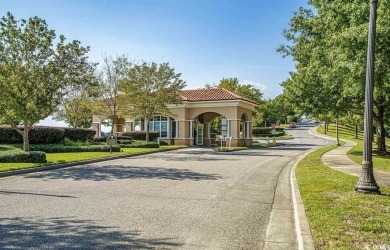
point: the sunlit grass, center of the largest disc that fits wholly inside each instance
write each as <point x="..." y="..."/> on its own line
<point x="56" y="158"/>
<point x="356" y="153"/>
<point x="339" y="217"/>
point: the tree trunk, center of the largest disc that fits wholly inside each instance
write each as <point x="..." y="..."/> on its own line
<point x="147" y="130"/>
<point x="380" y="132"/>
<point x="356" y="131"/>
<point x="337" y="133"/>
<point x="26" y="141"/>
<point x="112" y="125"/>
<point x="326" y="124"/>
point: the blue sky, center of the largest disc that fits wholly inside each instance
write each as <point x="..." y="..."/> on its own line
<point x="202" y="39"/>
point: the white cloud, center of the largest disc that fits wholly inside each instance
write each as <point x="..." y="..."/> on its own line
<point x="260" y="86"/>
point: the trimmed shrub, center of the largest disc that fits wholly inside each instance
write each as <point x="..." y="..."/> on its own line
<point x="79" y="134"/>
<point x="58" y="148"/>
<point x="21" y="156"/>
<point x="37" y="135"/>
<point x="140" y="145"/>
<point x="123" y="141"/>
<point x="141" y="135"/>
<point x="163" y="143"/>
<point x="104" y="139"/>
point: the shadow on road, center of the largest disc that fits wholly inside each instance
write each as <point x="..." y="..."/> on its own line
<point x="35" y="194"/>
<point x="71" y="233"/>
<point x="112" y="172"/>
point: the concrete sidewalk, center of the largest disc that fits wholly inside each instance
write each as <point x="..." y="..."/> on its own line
<point x="337" y="159"/>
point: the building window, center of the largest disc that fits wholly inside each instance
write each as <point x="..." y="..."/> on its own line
<point x="159" y="124"/>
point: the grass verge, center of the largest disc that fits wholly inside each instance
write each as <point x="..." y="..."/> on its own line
<point x="56" y="158"/>
<point x="339" y="217"/>
<point x="356" y="153"/>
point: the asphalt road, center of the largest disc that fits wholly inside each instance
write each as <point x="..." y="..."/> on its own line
<point x="186" y="199"/>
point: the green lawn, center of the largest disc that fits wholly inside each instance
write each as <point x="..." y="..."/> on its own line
<point x="339" y="217"/>
<point x="356" y="153"/>
<point x="55" y="158"/>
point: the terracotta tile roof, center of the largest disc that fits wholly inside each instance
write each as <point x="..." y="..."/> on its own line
<point x="212" y="94"/>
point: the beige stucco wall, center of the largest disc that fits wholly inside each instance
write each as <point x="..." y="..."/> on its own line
<point x="187" y="112"/>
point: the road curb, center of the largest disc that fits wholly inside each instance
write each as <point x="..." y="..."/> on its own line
<point x="315" y="133"/>
<point x="302" y="228"/>
<point x="72" y="164"/>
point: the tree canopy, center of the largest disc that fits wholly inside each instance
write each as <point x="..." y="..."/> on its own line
<point x="149" y="87"/>
<point x="328" y="42"/>
<point x="35" y="75"/>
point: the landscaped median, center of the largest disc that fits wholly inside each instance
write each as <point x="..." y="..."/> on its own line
<point x="356" y="153"/>
<point x="340" y="218"/>
<point x="60" y="158"/>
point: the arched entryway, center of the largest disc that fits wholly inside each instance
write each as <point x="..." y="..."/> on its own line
<point x="202" y="128"/>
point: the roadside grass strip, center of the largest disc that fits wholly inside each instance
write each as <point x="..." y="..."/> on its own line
<point x="57" y="158"/>
<point x="356" y="153"/>
<point x="339" y="217"/>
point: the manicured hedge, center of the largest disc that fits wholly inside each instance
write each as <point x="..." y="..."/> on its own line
<point x="17" y="157"/>
<point x="45" y="135"/>
<point x="79" y="134"/>
<point x="58" y="148"/>
<point x="127" y="141"/>
<point x="140" y="145"/>
<point x="37" y="135"/>
<point x="141" y="135"/>
<point x="265" y="131"/>
<point x="104" y="139"/>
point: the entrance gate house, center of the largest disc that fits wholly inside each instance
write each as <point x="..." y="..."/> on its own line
<point x="191" y="119"/>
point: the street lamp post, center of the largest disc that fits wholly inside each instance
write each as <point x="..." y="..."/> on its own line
<point x="367" y="183"/>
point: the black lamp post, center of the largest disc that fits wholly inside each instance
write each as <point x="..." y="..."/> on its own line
<point x="367" y="183"/>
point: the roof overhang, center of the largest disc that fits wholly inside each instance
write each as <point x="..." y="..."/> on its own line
<point x="214" y="104"/>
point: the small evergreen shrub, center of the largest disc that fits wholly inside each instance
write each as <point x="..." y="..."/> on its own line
<point x="163" y="143"/>
<point x="21" y="156"/>
<point x="79" y="134"/>
<point x="141" y="135"/>
<point x="123" y="141"/>
<point x="140" y="145"/>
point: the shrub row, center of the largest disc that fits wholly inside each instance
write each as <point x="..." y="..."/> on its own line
<point x="104" y="139"/>
<point x="17" y="157"/>
<point x="142" y="145"/>
<point x="45" y="135"/>
<point x="79" y="134"/>
<point x="58" y="148"/>
<point x="265" y="131"/>
<point x="141" y="135"/>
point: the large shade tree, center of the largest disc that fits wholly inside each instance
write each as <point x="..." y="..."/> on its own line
<point x="149" y="87"/>
<point x="337" y="30"/>
<point x="35" y="75"/>
<point x="111" y="100"/>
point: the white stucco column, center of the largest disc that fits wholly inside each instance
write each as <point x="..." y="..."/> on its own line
<point x="177" y="129"/>
<point x="169" y="132"/>
<point x="248" y="129"/>
<point x="191" y="130"/>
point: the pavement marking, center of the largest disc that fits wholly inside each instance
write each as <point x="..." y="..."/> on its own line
<point x="298" y="228"/>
